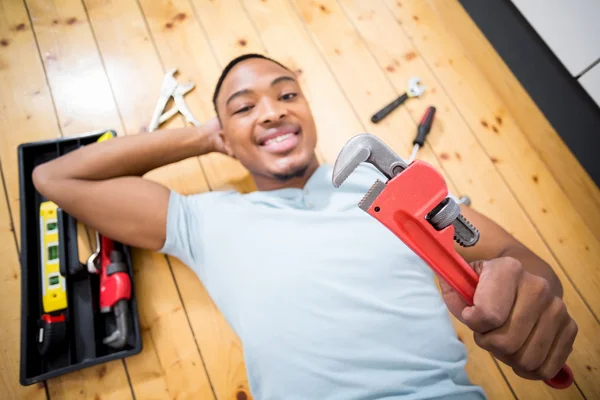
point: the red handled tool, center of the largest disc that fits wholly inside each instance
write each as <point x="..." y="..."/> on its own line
<point x="415" y="206"/>
<point x="422" y="131"/>
<point x="115" y="289"/>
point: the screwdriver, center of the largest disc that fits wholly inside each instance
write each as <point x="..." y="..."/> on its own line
<point x="422" y="131"/>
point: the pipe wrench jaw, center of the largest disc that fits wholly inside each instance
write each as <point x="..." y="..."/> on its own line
<point x="413" y="204"/>
<point x="118" y="337"/>
<point x="366" y="148"/>
<point x="369" y="148"/>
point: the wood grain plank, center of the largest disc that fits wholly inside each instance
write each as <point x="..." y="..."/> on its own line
<point x="28" y="115"/>
<point x="10" y="312"/>
<point x="172" y="25"/>
<point x="73" y="73"/>
<point x="170" y="365"/>
<point x="26" y="109"/>
<point x="186" y="177"/>
<point x="389" y="45"/>
<point x="557" y="221"/>
<point x="190" y="367"/>
<point x="577" y="185"/>
<point x="181" y="44"/>
<point x="291" y="51"/>
<point x="164" y="318"/>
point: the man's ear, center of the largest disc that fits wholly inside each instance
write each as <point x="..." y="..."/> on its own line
<point x="226" y="145"/>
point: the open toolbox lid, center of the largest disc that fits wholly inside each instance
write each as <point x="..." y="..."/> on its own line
<point x="48" y="242"/>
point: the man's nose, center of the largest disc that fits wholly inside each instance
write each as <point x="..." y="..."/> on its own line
<point x="272" y="111"/>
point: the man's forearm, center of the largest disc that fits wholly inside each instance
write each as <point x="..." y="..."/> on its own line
<point x="535" y="265"/>
<point x="128" y="156"/>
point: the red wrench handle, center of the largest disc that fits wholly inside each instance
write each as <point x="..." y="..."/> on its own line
<point x="403" y="210"/>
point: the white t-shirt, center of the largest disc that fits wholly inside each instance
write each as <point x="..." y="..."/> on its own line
<point x="328" y="303"/>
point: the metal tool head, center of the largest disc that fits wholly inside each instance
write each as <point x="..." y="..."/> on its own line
<point x="415" y="88"/>
<point x="167" y="88"/>
<point x="93" y="260"/>
<point x="366" y="148"/>
<point x="118" y="338"/>
<point x="183" y="88"/>
<point x="169" y="76"/>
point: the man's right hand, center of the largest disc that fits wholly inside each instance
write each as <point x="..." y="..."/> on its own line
<point x="212" y="128"/>
<point x="102" y="184"/>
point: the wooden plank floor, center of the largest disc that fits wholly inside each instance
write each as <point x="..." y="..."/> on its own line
<point x="71" y="66"/>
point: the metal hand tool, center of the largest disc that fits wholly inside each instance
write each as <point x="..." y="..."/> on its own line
<point x="115" y="291"/>
<point x="414" y="89"/>
<point x="92" y="261"/>
<point x="52" y="325"/>
<point x="422" y="132"/>
<point x="171" y="88"/>
<point x="413" y="204"/>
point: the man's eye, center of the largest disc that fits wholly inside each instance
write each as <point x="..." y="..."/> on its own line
<point x="288" y="96"/>
<point x="243" y="109"/>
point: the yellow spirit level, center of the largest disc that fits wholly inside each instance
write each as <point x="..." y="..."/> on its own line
<point x="54" y="290"/>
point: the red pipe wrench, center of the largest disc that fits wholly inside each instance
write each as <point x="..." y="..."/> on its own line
<point x="115" y="289"/>
<point x="415" y="206"/>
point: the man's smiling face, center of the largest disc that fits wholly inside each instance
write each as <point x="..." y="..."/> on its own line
<point x="267" y="122"/>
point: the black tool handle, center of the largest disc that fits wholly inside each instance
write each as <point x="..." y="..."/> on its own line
<point x="62" y="242"/>
<point x="424" y="126"/>
<point x="384" y="112"/>
<point x="68" y="252"/>
<point x="51" y="335"/>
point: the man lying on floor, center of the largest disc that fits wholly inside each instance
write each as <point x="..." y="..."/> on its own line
<point x="327" y="302"/>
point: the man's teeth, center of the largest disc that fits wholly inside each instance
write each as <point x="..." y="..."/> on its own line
<point x="279" y="138"/>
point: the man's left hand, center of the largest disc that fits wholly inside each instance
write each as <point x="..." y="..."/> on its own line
<point x="517" y="318"/>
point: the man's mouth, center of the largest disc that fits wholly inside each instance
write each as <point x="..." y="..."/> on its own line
<point x="281" y="140"/>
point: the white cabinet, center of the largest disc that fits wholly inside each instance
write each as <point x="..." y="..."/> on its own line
<point x="591" y="83"/>
<point x="570" y="28"/>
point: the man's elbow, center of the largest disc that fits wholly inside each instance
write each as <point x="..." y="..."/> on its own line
<point x="41" y="179"/>
<point x="47" y="182"/>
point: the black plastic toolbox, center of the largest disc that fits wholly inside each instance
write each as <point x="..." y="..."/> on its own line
<point x="86" y="325"/>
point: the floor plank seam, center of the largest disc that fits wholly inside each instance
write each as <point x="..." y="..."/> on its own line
<point x="101" y="57"/>
<point x="163" y="67"/>
<point x="10" y="217"/>
<point x="128" y="378"/>
<point x="39" y="52"/>
<point x="253" y="24"/>
<point x="187" y="317"/>
<point x="52" y="100"/>
<point x="505" y="377"/>
<point x="326" y="63"/>
<point x="512" y="390"/>
<point x="150" y="35"/>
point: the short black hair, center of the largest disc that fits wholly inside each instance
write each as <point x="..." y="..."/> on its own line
<point x="232" y="64"/>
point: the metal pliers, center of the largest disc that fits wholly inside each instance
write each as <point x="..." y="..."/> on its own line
<point x="171" y="88"/>
<point x="415" y="205"/>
